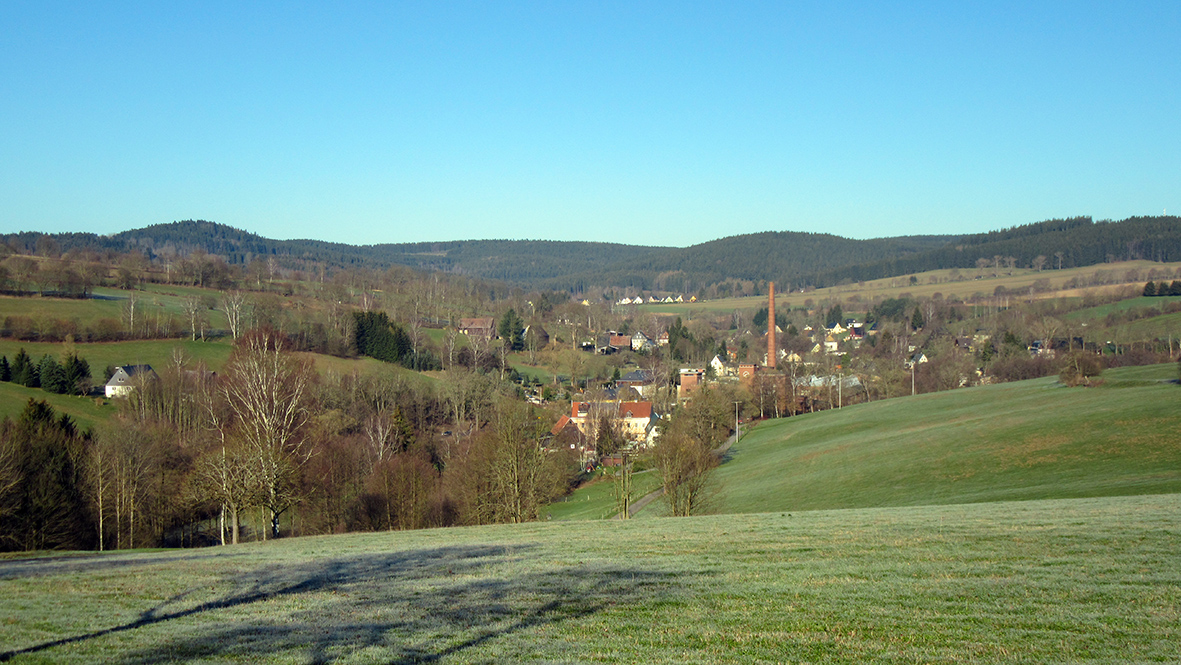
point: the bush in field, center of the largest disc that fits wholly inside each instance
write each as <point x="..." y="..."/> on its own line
<point x="1080" y="368"/>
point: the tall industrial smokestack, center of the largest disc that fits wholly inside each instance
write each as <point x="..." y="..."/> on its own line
<point x="771" y="354"/>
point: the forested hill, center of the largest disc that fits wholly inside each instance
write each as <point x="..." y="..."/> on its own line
<point x="786" y="257"/>
<point x="790" y="258"/>
<point x="1064" y="242"/>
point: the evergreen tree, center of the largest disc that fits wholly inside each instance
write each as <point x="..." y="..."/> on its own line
<point x="5" y="369"/>
<point x="512" y="329"/>
<point x="49" y="510"/>
<point x="834" y="316"/>
<point x="916" y="321"/>
<point x="374" y="335"/>
<point x="1174" y="289"/>
<point x="77" y="373"/>
<point x="760" y="319"/>
<point x="676" y="333"/>
<point x="20" y="367"/>
<point x="1150" y="289"/>
<point x="53" y="378"/>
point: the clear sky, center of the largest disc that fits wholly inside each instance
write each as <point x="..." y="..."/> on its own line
<point x="638" y="122"/>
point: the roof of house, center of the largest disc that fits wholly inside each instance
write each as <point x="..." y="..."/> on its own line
<point x="635" y="409"/>
<point x="478" y="322"/>
<point x="125" y="372"/>
<point x="562" y="422"/>
<point x="626" y="410"/>
<point x="636" y="376"/>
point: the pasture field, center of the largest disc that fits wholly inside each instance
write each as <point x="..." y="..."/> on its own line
<point x="86" y="311"/>
<point x="108" y="304"/>
<point x="84" y="411"/>
<point x="159" y="354"/>
<point x="1100" y="311"/>
<point x="1018" y="441"/>
<point x="1085" y="580"/>
<point x="155" y="352"/>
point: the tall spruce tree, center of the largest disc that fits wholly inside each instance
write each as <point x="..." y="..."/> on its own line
<point x="53" y="378"/>
<point x="512" y="330"/>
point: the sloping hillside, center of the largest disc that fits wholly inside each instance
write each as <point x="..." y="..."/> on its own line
<point x="1017" y="441"/>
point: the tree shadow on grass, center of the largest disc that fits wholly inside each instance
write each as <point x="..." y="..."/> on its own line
<point x="92" y="562"/>
<point x="418" y="606"/>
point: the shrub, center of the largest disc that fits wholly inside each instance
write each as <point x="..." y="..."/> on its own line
<point x="1080" y="368"/>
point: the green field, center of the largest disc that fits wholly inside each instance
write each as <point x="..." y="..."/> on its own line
<point x="156" y="352"/>
<point x="1090" y="580"/>
<point x="1027" y="440"/>
<point x="596" y="501"/>
<point x="85" y="411"/>
<point x="1100" y="311"/>
<point x="155" y="299"/>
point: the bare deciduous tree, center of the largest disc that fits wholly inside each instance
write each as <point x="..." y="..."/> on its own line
<point x="267" y="387"/>
<point x="224" y="474"/>
<point x="129" y="311"/>
<point x="234" y="305"/>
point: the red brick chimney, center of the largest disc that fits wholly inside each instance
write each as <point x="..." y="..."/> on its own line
<point x="771" y="354"/>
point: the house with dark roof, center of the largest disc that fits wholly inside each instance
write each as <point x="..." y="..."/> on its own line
<point x="127" y="378"/>
<point x="639" y="380"/>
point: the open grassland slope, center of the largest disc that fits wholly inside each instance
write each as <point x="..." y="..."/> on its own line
<point x="1027" y="440"/>
<point x="1090" y="580"/>
<point x="155" y="352"/>
<point x="154" y="300"/>
<point x="85" y="411"/>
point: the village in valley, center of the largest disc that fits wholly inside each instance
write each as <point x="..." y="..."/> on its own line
<point x="660" y="333"/>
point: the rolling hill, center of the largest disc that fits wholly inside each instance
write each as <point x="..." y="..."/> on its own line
<point x="1016" y="441"/>
<point x="790" y="258"/>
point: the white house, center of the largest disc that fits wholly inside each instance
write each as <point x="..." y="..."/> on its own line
<point x="126" y="378"/>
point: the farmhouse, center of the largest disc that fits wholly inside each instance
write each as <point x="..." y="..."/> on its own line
<point x="477" y="327"/>
<point x="126" y="378"/>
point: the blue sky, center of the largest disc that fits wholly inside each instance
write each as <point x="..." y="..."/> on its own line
<point x="648" y="123"/>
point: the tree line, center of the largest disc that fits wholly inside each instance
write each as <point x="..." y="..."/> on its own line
<point x="267" y="447"/>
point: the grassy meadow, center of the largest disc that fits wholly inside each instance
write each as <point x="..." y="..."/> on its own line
<point x="1017" y="441"/>
<point x="1090" y="580"/>
<point x="154" y="352"/>
<point x="155" y="299"/>
<point x="85" y="411"/>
